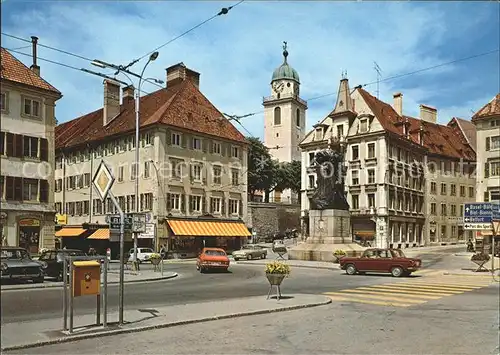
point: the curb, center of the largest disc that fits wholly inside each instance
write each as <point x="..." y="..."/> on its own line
<point x="41" y="286"/>
<point x="485" y="274"/>
<point x="73" y="338"/>
<point x="299" y="266"/>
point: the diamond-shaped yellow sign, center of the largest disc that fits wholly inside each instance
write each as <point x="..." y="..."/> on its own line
<point x="103" y="180"/>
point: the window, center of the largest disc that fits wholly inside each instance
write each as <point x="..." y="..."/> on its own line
<point x="297" y="117"/>
<point x="433" y="188"/>
<point x="453" y="231"/>
<point x="355" y="202"/>
<point x="443" y="189"/>
<point x="2" y="181"/>
<point x="319" y="133"/>
<point x="453" y="211"/>
<point x="120" y="173"/>
<point x="443" y="209"/>
<point x="311" y="158"/>
<point x="453" y="190"/>
<point x="371" y="150"/>
<point x="176" y="168"/>
<point x="146" y="202"/>
<point x="86" y="179"/>
<point x="371" y="176"/>
<point x="196" y="172"/>
<point x="97" y="207"/>
<point x="133" y="171"/>
<point x="340" y="131"/>
<point x="196" y="143"/>
<point x="471" y="191"/>
<point x="235" y="152"/>
<point x="355" y="177"/>
<point x="146" y="139"/>
<point x="176" y="139"/>
<point x="30" y="147"/>
<point x="371" y="200"/>
<point x="217" y="175"/>
<point x="495" y="196"/>
<point x="174" y="202"/>
<point x="277" y="116"/>
<point x="195" y="203"/>
<point x="216" y="148"/>
<point x="433" y="208"/>
<point x="146" y="169"/>
<point x="363" y="126"/>
<point x="493" y="143"/>
<point x="79" y="181"/>
<point x="494" y="168"/>
<point x="30" y="189"/>
<point x="311" y="184"/>
<point x="443" y="232"/>
<point x="235" y="177"/>
<point x="215" y="204"/>
<point x="355" y="152"/>
<point x="31" y="107"/>
<point x="4" y="106"/>
<point x="462" y="191"/>
<point x="58" y="185"/>
<point x="234" y="206"/>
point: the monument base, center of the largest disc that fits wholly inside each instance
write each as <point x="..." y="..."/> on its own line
<point x="322" y="252"/>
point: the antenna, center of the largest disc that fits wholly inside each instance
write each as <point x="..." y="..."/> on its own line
<point x="378" y="70"/>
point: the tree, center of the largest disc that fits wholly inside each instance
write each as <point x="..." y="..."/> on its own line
<point x="294" y="175"/>
<point x="260" y="167"/>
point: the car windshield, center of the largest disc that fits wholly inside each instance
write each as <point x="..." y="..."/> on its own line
<point x="398" y="253"/>
<point x="215" y="253"/>
<point x="146" y="250"/>
<point x="15" y="254"/>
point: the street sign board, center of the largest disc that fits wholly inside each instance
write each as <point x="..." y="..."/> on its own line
<point x="477" y="226"/>
<point x="139" y="223"/>
<point x="103" y="180"/>
<point x="495" y="211"/>
<point x="478" y="212"/>
<point x="114" y="222"/>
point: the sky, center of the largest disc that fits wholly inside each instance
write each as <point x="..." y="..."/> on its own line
<point x="237" y="53"/>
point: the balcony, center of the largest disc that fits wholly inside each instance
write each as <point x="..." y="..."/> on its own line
<point x="284" y="96"/>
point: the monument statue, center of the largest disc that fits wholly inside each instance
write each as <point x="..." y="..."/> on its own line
<point x="329" y="192"/>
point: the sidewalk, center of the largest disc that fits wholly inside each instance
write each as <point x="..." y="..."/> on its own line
<point x="113" y="278"/>
<point x="44" y="332"/>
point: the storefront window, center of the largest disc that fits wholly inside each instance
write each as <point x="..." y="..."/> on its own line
<point x="29" y="234"/>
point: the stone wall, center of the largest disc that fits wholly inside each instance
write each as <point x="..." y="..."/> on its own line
<point x="267" y="218"/>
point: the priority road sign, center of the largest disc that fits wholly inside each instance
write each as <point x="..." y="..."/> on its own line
<point x="478" y="212"/>
<point x="103" y="180"/>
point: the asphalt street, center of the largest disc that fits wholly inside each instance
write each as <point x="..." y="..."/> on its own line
<point x="191" y="287"/>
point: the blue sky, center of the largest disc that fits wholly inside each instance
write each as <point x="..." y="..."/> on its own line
<point x="237" y="53"/>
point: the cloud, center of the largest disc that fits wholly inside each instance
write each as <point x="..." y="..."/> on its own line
<point x="237" y="53"/>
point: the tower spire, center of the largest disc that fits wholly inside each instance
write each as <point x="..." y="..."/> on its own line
<point x="285" y="52"/>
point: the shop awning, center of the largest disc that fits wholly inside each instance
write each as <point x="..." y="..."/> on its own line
<point x="101" y="234"/>
<point x="70" y="232"/>
<point x="208" y="228"/>
<point x="365" y="234"/>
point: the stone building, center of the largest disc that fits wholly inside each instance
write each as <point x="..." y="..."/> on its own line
<point x="192" y="166"/>
<point x="28" y="105"/>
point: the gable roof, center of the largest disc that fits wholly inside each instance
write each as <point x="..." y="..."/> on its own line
<point x="14" y="70"/>
<point x="467" y="128"/>
<point x="181" y="105"/>
<point x="492" y="108"/>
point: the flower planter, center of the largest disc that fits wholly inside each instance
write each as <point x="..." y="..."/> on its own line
<point x="275" y="279"/>
<point x="155" y="261"/>
<point x="336" y="258"/>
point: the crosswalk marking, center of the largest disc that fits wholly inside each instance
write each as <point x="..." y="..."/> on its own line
<point x="408" y="292"/>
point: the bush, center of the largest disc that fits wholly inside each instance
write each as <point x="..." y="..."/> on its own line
<point x="481" y="256"/>
<point x="155" y="256"/>
<point x="277" y="267"/>
<point x="339" y="252"/>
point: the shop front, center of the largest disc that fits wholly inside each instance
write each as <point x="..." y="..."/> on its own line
<point x="186" y="237"/>
<point x="29" y="234"/>
<point x="363" y="230"/>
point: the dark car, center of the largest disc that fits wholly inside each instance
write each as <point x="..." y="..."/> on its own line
<point x="54" y="260"/>
<point x="377" y="260"/>
<point x="16" y="264"/>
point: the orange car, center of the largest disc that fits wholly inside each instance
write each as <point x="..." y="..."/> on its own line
<point x="212" y="258"/>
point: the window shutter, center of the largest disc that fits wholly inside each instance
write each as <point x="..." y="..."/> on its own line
<point x="240" y="209"/>
<point x="486" y="170"/>
<point x="184" y="140"/>
<point x="44" y="191"/>
<point x="18" y="189"/>
<point x="18" y="146"/>
<point x="223" y="206"/>
<point x="204" y="144"/>
<point x="10" y="145"/>
<point x="169" y="137"/>
<point x="183" y="203"/>
<point x="9" y="188"/>
<point x="210" y="147"/>
<point x="487" y="143"/>
<point x="204" y="204"/>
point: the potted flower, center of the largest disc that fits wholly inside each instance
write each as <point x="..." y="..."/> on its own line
<point x="276" y="271"/>
<point x="155" y="259"/>
<point x="338" y="254"/>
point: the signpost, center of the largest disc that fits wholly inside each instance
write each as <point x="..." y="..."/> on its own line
<point x="478" y="216"/>
<point x="103" y="181"/>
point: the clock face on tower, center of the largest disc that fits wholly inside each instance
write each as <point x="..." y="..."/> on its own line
<point x="278" y="87"/>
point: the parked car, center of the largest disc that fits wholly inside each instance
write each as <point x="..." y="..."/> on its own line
<point x="54" y="261"/>
<point x="143" y="254"/>
<point x="16" y="264"/>
<point x="250" y="252"/>
<point x="212" y="258"/>
<point x="377" y="260"/>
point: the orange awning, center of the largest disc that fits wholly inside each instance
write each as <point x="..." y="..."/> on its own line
<point x="208" y="228"/>
<point x="365" y="234"/>
<point x="70" y="232"/>
<point x="101" y="234"/>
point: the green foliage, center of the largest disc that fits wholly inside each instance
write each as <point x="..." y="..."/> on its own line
<point x="277" y="267"/>
<point x="155" y="256"/>
<point x="339" y="252"/>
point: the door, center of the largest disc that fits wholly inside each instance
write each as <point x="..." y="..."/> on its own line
<point x="52" y="269"/>
<point x="366" y="262"/>
<point x="382" y="261"/>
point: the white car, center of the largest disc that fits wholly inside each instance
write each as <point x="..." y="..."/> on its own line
<point x="143" y="254"/>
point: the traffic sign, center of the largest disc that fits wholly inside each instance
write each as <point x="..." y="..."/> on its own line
<point x="114" y="222"/>
<point x="495" y="211"/>
<point x="103" y="180"/>
<point x="139" y="223"/>
<point x="478" y="212"/>
<point x="477" y="226"/>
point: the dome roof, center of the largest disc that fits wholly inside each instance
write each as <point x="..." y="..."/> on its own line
<point x="285" y="71"/>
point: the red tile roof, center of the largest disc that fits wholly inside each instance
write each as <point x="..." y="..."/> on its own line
<point x="14" y="70"/>
<point x="181" y="105"/>
<point x="438" y="139"/>
<point x="490" y="109"/>
<point x="467" y="128"/>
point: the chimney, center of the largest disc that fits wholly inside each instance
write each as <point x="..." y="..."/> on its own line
<point x="34" y="67"/>
<point x="111" y="107"/>
<point x="428" y="114"/>
<point x="128" y="94"/>
<point x="177" y="73"/>
<point x="398" y="103"/>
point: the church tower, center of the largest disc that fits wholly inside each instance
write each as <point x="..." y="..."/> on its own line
<point x="284" y="114"/>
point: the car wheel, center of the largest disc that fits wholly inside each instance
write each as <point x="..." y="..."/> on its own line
<point x="198" y="267"/>
<point x="350" y="269"/>
<point x="249" y="257"/>
<point x="263" y="256"/>
<point x="397" y="271"/>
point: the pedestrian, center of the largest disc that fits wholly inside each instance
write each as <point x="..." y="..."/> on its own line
<point x="163" y="251"/>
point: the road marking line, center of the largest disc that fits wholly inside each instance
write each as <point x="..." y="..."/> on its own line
<point x="440" y="286"/>
<point x="378" y="303"/>
<point x="455" y="281"/>
<point x="451" y="284"/>
<point x="406" y="292"/>
<point x="388" y="293"/>
<point x="430" y="288"/>
<point x="382" y="298"/>
<point x="427" y="271"/>
<point x="433" y="292"/>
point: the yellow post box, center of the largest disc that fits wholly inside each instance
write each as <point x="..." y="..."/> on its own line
<point x="86" y="278"/>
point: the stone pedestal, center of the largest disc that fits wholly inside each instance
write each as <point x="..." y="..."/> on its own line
<point x="329" y="230"/>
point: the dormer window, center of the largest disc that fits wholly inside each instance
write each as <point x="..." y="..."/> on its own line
<point x="363" y="126"/>
<point x="319" y="133"/>
<point x="277" y="116"/>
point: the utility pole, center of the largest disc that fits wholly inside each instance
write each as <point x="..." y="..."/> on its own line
<point x="378" y="70"/>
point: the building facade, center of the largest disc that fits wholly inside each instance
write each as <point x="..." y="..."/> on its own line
<point x="284" y="120"/>
<point x="192" y="167"/>
<point x="394" y="164"/>
<point x="27" y="155"/>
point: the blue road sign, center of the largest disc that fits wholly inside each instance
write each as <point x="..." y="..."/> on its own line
<point x="478" y="212"/>
<point x="495" y="211"/>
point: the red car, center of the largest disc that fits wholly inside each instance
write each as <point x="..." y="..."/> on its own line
<point x="376" y="260"/>
<point x="212" y="258"/>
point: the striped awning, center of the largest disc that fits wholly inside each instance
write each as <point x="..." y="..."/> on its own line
<point x="208" y="228"/>
<point x="101" y="234"/>
<point x="70" y="232"/>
